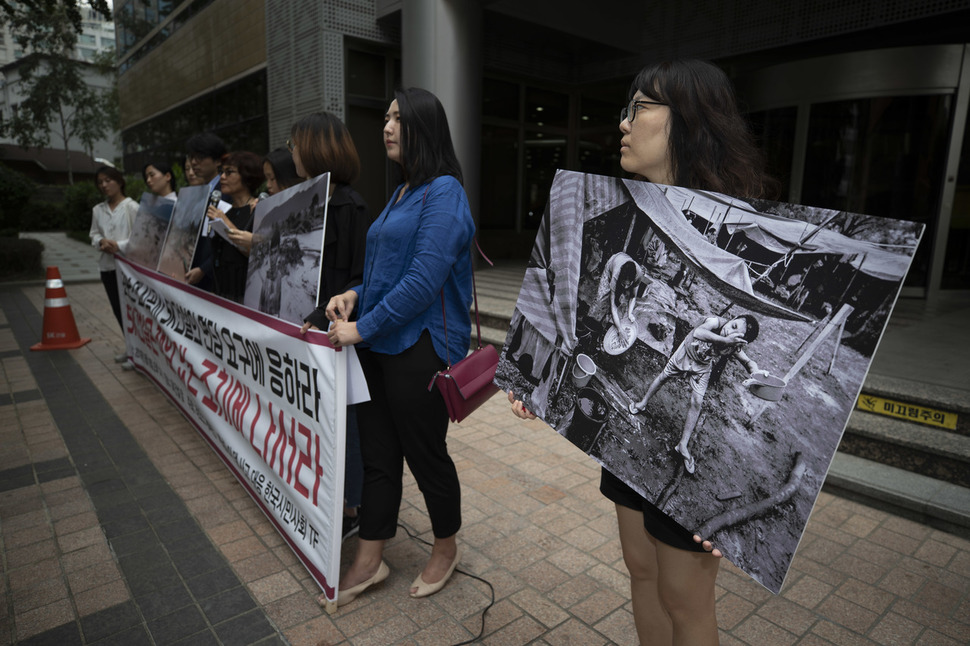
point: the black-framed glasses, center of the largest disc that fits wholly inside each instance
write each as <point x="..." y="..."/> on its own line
<point x="290" y="145"/>
<point x="227" y="171"/>
<point x="630" y="111"/>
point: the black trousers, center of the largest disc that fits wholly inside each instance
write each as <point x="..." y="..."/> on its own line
<point x="110" y="281"/>
<point x="403" y="421"/>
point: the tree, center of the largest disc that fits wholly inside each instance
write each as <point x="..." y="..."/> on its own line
<point x="58" y="100"/>
<point x="30" y="22"/>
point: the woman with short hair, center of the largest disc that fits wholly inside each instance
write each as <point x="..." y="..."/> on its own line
<point x="111" y="224"/>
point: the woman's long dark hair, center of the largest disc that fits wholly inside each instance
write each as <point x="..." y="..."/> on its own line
<point x="425" y="137"/>
<point x="709" y="142"/>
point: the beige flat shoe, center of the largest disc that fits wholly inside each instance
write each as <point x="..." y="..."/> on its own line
<point x="346" y="596"/>
<point x="428" y="589"/>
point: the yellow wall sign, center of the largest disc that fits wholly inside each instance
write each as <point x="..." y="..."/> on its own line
<point x="912" y="412"/>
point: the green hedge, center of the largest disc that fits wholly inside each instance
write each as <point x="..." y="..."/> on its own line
<point x="20" y="257"/>
<point x="15" y="192"/>
<point x="19" y="212"/>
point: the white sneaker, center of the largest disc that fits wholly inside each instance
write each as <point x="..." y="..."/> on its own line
<point x="127" y="365"/>
<point x="121" y="358"/>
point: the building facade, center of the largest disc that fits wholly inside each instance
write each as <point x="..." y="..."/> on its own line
<point x="860" y="105"/>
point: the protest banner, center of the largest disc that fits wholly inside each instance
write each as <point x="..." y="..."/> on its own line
<point x="706" y="350"/>
<point x="270" y="402"/>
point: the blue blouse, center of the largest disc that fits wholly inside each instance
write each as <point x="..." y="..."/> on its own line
<point x="417" y="249"/>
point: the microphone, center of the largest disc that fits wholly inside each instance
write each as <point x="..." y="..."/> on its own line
<point x="214" y="198"/>
<point x="262" y="196"/>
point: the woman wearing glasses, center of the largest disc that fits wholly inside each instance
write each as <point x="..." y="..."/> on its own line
<point x="240" y="178"/>
<point x="681" y="127"/>
<point x="417" y="278"/>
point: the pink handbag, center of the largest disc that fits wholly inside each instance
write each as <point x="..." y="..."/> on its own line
<point x="467" y="384"/>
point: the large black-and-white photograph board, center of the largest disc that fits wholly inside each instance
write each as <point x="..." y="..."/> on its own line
<point x="705" y="349"/>
<point x="284" y="265"/>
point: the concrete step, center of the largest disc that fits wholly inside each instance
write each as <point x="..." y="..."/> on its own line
<point x="942" y="505"/>
<point x="921" y="449"/>
<point x="934" y="396"/>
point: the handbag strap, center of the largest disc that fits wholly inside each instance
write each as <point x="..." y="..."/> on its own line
<point x="478" y="322"/>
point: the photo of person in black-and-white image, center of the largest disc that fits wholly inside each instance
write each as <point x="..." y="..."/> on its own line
<point x="144" y="245"/>
<point x="707" y="351"/>
<point x="284" y="265"/>
<point x="175" y="259"/>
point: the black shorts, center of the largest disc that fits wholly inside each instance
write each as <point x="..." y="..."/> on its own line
<point x="660" y="526"/>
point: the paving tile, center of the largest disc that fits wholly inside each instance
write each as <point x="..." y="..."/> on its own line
<point x="245" y="628"/>
<point x="839" y="635"/>
<point x="212" y="583"/>
<point x="31" y="553"/>
<point x="895" y="629"/>
<point x="294" y="610"/>
<point x="134" y="636"/>
<point x="178" y="625"/>
<point x="315" y="632"/>
<point x="273" y="587"/>
<point x="540" y="607"/>
<point x="64" y="635"/>
<point x="938" y="597"/>
<point x="109" y="621"/>
<point x="757" y="631"/>
<point x="40" y="593"/>
<point x="788" y="615"/>
<point x="848" y="614"/>
<point x="865" y="595"/>
<point x="101" y="597"/>
<point x="932" y="638"/>
<point x="226" y="605"/>
<point x="93" y="576"/>
<point x="155" y="603"/>
<point x="44" y="618"/>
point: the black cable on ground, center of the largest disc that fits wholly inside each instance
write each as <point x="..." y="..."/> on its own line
<point x="491" y="589"/>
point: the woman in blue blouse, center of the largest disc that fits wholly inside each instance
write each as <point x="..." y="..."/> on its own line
<point x="417" y="275"/>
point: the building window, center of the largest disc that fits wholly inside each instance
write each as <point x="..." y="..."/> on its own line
<point x="165" y="135"/>
<point x="528" y="132"/>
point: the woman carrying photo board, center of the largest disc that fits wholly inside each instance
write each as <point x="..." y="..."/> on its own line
<point x="681" y="127"/>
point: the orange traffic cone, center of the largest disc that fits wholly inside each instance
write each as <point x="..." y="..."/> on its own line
<point x="60" y="331"/>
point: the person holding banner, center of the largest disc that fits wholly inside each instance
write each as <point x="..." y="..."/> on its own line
<point x="417" y="278"/>
<point x="111" y="223"/>
<point x="160" y="180"/>
<point x="320" y="143"/>
<point x="204" y="153"/>
<point x="241" y="176"/>
<point x="279" y="171"/>
<point x="681" y="127"/>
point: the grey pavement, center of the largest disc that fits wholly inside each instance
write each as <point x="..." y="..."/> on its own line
<point x="119" y="525"/>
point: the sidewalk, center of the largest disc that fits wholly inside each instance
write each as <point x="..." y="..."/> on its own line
<point x="119" y="525"/>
